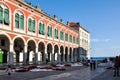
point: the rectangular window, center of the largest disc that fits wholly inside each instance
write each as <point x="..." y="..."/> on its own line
<point x="73" y="39"/>
<point x="22" y="22"/>
<point x="17" y="24"/>
<point x="1" y="15"/>
<point x="66" y="37"/>
<point x="70" y="38"/>
<point x="2" y="42"/>
<point x="77" y="40"/>
<point x="61" y="35"/>
<point x="6" y="17"/>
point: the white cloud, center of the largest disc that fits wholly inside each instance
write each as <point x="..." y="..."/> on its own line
<point x="100" y="40"/>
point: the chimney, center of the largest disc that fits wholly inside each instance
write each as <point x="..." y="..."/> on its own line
<point x="61" y="20"/>
<point x="67" y="22"/>
<point x="78" y="23"/>
<point x="55" y="17"/>
<point x="38" y="8"/>
<point x="30" y="4"/>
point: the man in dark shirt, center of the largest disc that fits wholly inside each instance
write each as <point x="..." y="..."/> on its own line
<point x="116" y="67"/>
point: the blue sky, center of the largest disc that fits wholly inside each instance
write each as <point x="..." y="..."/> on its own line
<point x="100" y="17"/>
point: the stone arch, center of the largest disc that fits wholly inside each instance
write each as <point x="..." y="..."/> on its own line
<point x="31" y="51"/>
<point x="41" y="51"/>
<point x="49" y="52"/>
<point x="19" y="49"/>
<point x="19" y="37"/>
<point x="5" y="46"/>
<point x="32" y="40"/>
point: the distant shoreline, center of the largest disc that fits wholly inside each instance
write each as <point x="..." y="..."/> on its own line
<point x="100" y="58"/>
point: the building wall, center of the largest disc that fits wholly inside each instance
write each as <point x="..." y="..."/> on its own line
<point x="84" y="43"/>
<point x="15" y="35"/>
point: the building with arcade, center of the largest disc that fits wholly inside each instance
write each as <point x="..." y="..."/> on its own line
<point x="30" y="36"/>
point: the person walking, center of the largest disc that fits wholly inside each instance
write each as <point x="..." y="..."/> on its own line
<point x="91" y="65"/>
<point x="94" y="65"/>
<point x="9" y="70"/>
<point x="116" y="67"/>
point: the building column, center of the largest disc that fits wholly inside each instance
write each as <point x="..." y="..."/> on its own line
<point x="72" y="55"/>
<point x="25" y="55"/>
<point x="68" y="58"/>
<point x="64" y="55"/>
<point x="11" y="58"/>
<point x="36" y="56"/>
<point x="59" y="56"/>
<point x="45" y="53"/>
<point x="76" y="55"/>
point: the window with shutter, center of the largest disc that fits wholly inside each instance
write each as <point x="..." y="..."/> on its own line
<point x="50" y="31"/>
<point x="61" y="35"/>
<point x="40" y="28"/>
<point x="1" y="15"/>
<point x="66" y="37"/>
<point x="55" y="33"/>
<point x="33" y="26"/>
<point x="73" y="39"/>
<point x="17" y="20"/>
<point x="22" y="22"/>
<point x="70" y="38"/>
<point x="6" y="17"/>
<point x="43" y="29"/>
<point x="29" y="25"/>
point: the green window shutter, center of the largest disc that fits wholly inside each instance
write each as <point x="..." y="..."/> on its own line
<point x="66" y="37"/>
<point x="70" y="38"/>
<point x="6" y="16"/>
<point x="17" y="20"/>
<point x="1" y="14"/>
<point x="73" y="39"/>
<point x="40" y="28"/>
<point x="55" y="33"/>
<point x="43" y="29"/>
<point x="76" y="41"/>
<point x="29" y="25"/>
<point x="61" y="35"/>
<point x="50" y="31"/>
<point x="33" y="27"/>
<point x="22" y="22"/>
